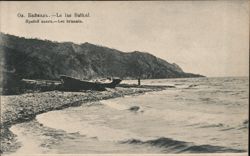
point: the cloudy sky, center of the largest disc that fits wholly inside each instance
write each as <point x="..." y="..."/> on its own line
<point x="205" y="37"/>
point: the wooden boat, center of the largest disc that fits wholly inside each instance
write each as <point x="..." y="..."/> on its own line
<point x="73" y="84"/>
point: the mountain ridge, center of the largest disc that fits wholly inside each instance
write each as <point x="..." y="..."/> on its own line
<point x="44" y="59"/>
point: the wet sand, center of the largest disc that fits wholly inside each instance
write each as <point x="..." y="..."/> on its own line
<point x="25" y="107"/>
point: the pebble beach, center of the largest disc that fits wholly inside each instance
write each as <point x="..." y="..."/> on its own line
<point x="21" y="108"/>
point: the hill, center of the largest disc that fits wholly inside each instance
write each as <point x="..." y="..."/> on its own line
<point x="43" y="59"/>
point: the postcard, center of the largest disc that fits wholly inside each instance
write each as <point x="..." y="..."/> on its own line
<point x="124" y="77"/>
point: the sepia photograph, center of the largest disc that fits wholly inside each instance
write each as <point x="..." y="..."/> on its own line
<point x="124" y="77"/>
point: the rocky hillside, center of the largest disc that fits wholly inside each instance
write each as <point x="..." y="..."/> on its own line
<point x="43" y="59"/>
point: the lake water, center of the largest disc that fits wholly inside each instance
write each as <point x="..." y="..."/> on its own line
<point x="198" y="115"/>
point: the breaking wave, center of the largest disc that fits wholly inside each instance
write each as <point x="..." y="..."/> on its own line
<point x="170" y="145"/>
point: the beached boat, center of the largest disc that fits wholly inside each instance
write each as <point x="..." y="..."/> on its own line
<point x="73" y="84"/>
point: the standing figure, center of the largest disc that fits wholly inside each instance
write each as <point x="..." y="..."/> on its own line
<point x="139" y="81"/>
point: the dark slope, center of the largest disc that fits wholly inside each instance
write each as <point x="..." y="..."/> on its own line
<point x="43" y="59"/>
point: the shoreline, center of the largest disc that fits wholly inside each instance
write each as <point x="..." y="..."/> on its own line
<point x="22" y="108"/>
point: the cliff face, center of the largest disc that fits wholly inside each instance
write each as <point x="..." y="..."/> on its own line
<point x="43" y="59"/>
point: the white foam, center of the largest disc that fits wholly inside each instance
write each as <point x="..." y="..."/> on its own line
<point x="58" y="120"/>
<point x="29" y="144"/>
<point x="114" y="105"/>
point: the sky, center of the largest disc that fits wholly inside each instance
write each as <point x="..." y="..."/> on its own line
<point x="204" y="37"/>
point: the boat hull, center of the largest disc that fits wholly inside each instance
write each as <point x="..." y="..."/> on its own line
<point x="73" y="84"/>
